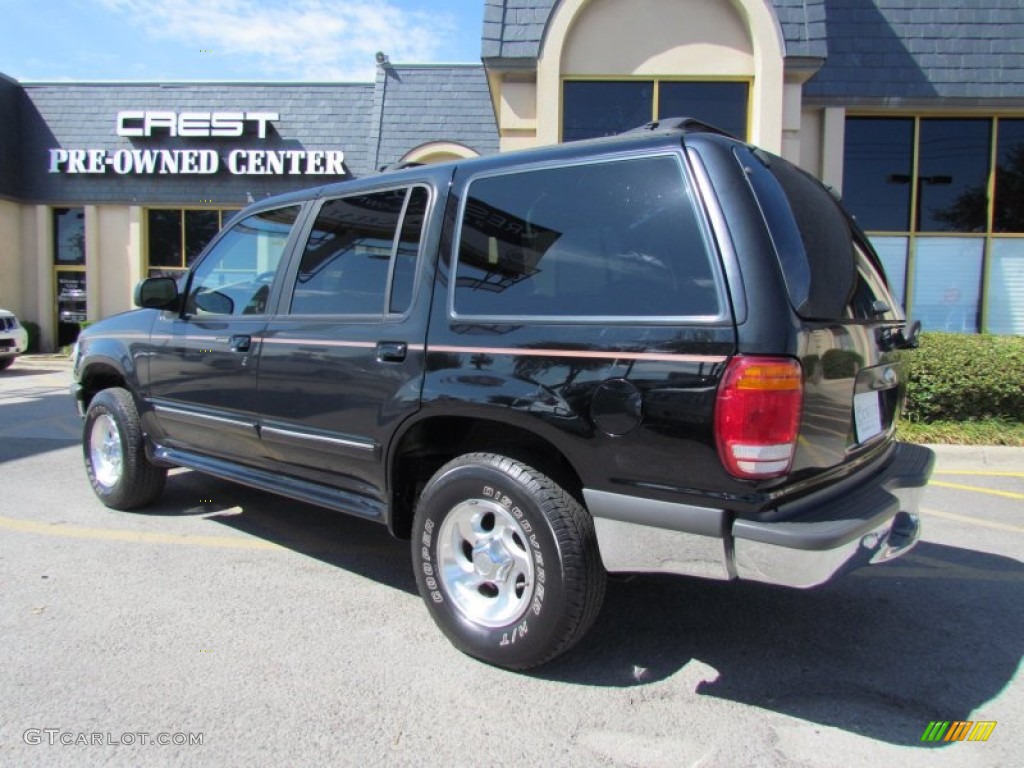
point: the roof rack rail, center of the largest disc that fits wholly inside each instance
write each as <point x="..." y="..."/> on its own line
<point x="682" y="124"/>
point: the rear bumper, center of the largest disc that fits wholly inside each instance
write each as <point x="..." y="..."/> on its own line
<point x="862" y="521"/>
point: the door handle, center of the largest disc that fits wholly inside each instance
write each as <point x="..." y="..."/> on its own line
<point x="391" y="351"/>
<point x="240" y="343"/>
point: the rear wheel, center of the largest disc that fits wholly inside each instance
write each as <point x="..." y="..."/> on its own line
<point x="115" y="455"/>
<point x="506" y="561"/>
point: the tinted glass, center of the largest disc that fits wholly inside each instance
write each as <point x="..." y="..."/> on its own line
<point x="618" y="239"/>
<point x="164" y="238"/>
<point x="723" y="105"/>
<point x="344" y="269"/>
<point x="592" y="109"/>
<point x="408" y="249"/>
<point x="830" y="272"/>
<point x="1009" y="203"/>
<point x="877" y="167"/>
<point x="68" y="236"/>
<point x="200" y="227"/>
<point x="234" y="277"/>
<point x="953" y="175"/>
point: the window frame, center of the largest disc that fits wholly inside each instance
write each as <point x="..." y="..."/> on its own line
<point x="714" y="256"/>
<point x="306" y="230"/>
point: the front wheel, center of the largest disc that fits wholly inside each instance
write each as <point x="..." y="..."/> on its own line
<point x="506" y="561"/>
<point x="115" y="455"/>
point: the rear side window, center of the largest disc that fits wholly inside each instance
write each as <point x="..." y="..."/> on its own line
<point x="614" y="239"/>
<point x="358" y="246"/>
<point x="831" y="273"/>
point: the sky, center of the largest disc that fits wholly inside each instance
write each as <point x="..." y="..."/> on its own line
<point x="286" y="40"/>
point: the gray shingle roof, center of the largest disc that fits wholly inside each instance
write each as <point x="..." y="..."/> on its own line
<point x="514" y="29"/>
<point x="433" y="103"/>
<point x="922" y="49"/>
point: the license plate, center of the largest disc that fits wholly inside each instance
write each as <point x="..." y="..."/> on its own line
<point x="867" y="415"/>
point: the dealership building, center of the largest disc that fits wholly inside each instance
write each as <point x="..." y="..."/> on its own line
<point x="915" y="113"/>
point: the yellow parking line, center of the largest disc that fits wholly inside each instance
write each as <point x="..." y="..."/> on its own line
<point x="976" y="489"/>
<point x="977" y="473"/>
<point x="974" y="521"/>
<point x="113" y="534"/>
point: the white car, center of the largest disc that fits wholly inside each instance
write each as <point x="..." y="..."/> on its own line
<point x="13" y="338"/>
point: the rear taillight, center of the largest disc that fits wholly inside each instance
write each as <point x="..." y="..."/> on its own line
<point x="757" y="415"/>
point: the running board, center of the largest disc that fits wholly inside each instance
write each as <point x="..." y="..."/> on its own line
<point x="283" y="485"/>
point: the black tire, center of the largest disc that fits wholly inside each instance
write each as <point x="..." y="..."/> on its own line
<point x="6" y="362"/>
<point x="115" y="454"/>
<point x="533" y="583"/>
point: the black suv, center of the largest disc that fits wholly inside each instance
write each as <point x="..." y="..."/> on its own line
<point x="665" y="351"/>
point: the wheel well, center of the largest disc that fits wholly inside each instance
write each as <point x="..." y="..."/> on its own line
<point x="97" y="378"/>
<point x="432" y="443"/>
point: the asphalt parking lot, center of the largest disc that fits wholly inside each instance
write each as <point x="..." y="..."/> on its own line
<point x="243" y="629"/>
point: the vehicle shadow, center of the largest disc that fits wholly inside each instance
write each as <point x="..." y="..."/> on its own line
<point x="360" y="546"/>
<point x="880" y="652"/>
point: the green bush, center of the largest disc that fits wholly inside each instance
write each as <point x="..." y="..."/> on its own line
<point x="957" y="377"/>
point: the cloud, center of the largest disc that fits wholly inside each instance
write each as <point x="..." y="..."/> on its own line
<point x="296" y="39"/>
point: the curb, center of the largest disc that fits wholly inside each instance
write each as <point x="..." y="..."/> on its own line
<point x="979" y="457"/>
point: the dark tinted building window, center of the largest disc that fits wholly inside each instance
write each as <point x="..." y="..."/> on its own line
<point x="200" y="227"/>
<point x="68" y="236"/>
<point x="613" y="239"/>
<point x="345" y="265"/>
<point x="592" y="109"/>
<point x="877" y="169"/>
<point x="1009" y="203"/>
<point x="721" y="104"/>
<point x="175" y="236"/>
<point x="953" y="175"/>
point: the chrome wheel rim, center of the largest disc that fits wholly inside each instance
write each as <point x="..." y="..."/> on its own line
<point x="105" y="453"/>
<point x="486" y="565"/>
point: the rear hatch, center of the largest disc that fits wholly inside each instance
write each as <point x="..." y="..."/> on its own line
<point x="848" y="325"/>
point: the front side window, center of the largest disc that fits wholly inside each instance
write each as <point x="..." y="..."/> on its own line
<point x="616" y="239"/>
<point x="348" y="258"/>
<point x="235" y="276"/>
<point x="176" y="236"/>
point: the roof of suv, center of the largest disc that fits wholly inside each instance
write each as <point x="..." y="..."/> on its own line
<point x="655" y="135"/>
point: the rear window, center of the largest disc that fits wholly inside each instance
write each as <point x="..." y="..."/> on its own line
<point x="613" y="239"/>
<point x="831" y="271"/>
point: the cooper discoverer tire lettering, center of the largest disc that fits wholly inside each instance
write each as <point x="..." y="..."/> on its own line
<point x="506" y="561"/>
<point x="115" y="455"/>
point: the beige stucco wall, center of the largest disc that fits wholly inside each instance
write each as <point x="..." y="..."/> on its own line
<point x="679" y="38"/>
<point x="12" y="292"/>
<point x="693" y="38"/>
<point x="117" y="258"/>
